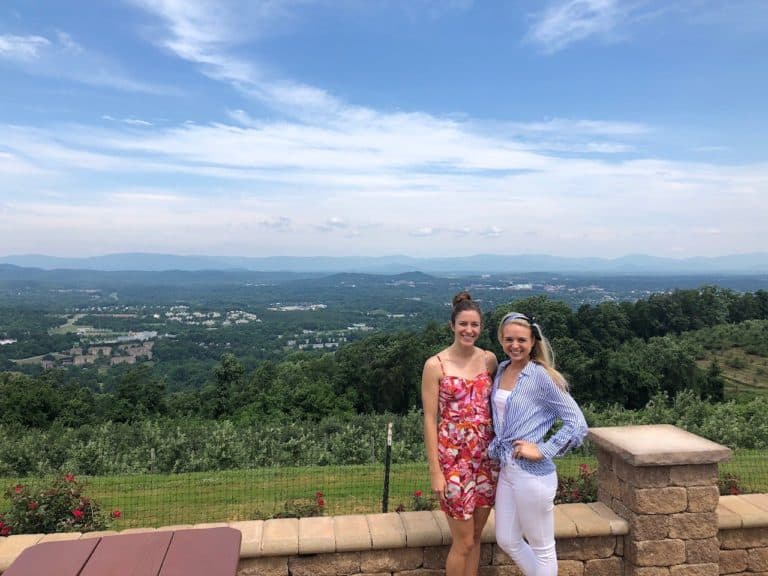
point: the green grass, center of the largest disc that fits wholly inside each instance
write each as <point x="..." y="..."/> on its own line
<point x="751" y="466"/>
<point x="167" y="499"/>
<point x="745" y="374"/>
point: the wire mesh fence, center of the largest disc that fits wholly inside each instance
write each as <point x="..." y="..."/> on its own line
<point x="246" y="494"/>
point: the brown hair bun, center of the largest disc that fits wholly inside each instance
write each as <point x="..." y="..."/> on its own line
<point x="462" y="302"/>
<point x="461" y="297"/>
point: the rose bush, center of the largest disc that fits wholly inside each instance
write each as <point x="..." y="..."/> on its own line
<point x="59" y="506"/>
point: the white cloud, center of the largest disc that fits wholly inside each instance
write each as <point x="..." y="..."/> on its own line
<point x="231" y="181"/>
<point x="279" y="223"/>
<point x="243" y="118"/>
<point x="584" y="127"/>
<point x="68" y="42"/>
<point x="564" y="22"/>
<point x="492" y="232"/>
<point x="63" y="57"/>
<point x="207" y="33"/>
<point x="22" y="47"/>
<point x="425" y="231"/>
<point x="129" y="121"/>
<point x="332" y="224"/>
<point x="325" y="163"/>
<point x="144" y="197"/>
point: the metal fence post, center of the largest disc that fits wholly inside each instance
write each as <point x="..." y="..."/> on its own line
<point x="387" y="465"/>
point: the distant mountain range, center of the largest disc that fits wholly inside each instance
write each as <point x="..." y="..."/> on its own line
<point x="756" y="263"/>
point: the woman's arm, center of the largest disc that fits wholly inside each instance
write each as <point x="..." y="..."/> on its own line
<point x="430" y="389"/>
<point x="490" y="362"/>
<point x="574" y="427"/>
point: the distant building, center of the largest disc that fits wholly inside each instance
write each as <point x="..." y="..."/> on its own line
<point x="100" y="350"/>
<point x="84" y="359"/>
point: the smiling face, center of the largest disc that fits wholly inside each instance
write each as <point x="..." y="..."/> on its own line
<point x="466" y="328"/>
<point x="517" y="342"/>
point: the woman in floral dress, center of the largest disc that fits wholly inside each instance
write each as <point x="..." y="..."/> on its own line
<point x="455" y="389"/>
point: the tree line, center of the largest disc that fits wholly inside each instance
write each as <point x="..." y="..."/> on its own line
<point x="612" y="353"/>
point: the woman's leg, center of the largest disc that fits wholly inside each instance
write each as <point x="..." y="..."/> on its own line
<point x="509" y="532"/>
<point x="525" y="507"/>
<point x="479" y="518"/>
<point x="463" y="535"/>
<point x="536" y="513"/>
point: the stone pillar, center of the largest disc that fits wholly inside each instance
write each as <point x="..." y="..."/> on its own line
<point x="663" y="481"/>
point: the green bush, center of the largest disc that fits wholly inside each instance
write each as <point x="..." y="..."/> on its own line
<point x="195" y="445"/>
<point x="730" y="484"/>
<point x="57" y="507"/>
<point x="419" y="501"/>
<point x="5" y="529"/>
<point x="580" y="488"/>
<point x="303" y="507"/>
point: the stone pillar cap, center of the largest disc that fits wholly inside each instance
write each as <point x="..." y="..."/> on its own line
<point x="658" y="445"/>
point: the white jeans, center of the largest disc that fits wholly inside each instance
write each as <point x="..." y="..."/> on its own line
<point x="525" y="507"/>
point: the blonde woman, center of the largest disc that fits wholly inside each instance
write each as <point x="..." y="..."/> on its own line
<point x="528" y="396"/>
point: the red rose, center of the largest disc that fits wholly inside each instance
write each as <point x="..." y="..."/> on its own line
<point x="116" y="514"/>
<point x="77" y="513"/>
<point x="69" y="477"/>
<point x="18" y="488"/>
<point x="32" y="505"/>
<point x="418" y="493"/>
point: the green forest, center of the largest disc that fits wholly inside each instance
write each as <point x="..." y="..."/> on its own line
<point x="695" y="357"/>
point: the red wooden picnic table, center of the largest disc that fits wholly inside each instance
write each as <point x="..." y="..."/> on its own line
<point x="196" y="552"/>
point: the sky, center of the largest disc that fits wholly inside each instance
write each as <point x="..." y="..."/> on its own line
<point x="428" y="128"/>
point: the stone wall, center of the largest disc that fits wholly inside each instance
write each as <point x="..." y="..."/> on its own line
<point x="589" y="540"/>
<point x="743" y="535"/>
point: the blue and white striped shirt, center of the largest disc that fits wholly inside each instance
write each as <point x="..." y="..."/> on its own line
<point x="534" y="404"/>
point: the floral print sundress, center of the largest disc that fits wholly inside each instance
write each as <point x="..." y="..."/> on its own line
<point x="463" y="435"/>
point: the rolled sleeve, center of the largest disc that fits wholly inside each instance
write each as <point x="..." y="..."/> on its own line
<point x="574" y="428"/>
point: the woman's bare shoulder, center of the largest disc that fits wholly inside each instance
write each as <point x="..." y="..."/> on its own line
<point x="434" y="361"/>
<point x="490" y="359"/>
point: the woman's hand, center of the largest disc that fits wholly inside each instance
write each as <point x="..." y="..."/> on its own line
<point x="438" y="485"/>
<point x="525" y="449"/>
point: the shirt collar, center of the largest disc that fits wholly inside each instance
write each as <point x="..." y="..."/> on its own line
<point x="527" y="369"/>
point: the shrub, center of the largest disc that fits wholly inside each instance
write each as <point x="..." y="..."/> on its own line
<point x="56" y="507"/>
<point x="730" y="484"/>
<point x="303" y="507"/>
<point x="419" y="502"/>
<point x="580" y="488"/>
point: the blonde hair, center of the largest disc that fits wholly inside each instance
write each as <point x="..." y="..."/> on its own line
<point x="541" y="352"/>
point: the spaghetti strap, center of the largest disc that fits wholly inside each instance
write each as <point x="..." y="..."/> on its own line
<point x="442" y="368"/>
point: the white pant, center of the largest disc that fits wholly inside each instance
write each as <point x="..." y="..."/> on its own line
<point x="525" y="507"/>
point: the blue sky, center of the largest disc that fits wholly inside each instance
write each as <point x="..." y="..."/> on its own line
<point x="375" y="127"/>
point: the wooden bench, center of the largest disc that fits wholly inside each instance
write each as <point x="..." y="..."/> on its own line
<point x="198" y="552"/>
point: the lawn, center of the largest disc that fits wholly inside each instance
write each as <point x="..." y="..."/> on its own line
<point x="745" y="374"/>
<point x="159" y="499"/>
